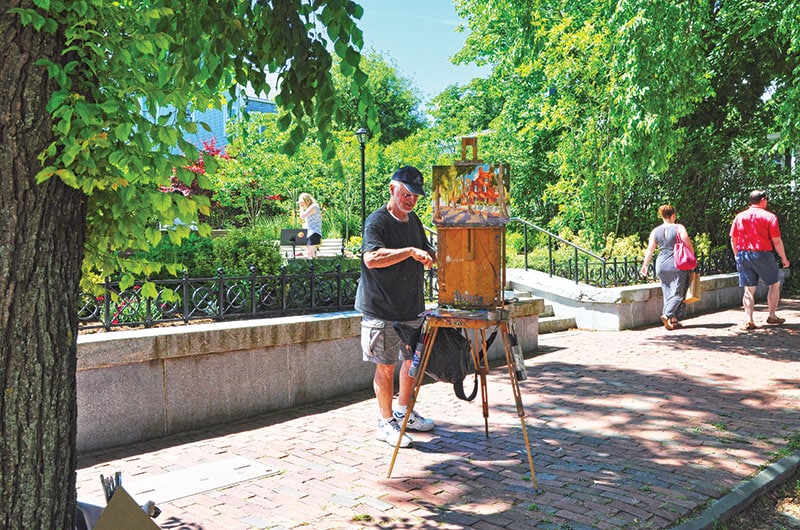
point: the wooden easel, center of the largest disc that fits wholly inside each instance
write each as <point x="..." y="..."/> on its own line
<point x="478" y="322"/>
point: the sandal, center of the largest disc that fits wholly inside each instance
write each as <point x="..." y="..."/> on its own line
<point x="747" y="326"/>
<point x="667" y="323"/>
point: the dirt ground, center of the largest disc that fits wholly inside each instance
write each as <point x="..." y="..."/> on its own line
<point x="777" y="510"/>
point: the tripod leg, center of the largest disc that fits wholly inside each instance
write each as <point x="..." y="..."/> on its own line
<point x="517" y="397"/>
<point x="484" y="390"/>
<point x="423" y="364"/>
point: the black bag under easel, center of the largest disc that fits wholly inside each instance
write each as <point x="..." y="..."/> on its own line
<point x="451" y="358"/>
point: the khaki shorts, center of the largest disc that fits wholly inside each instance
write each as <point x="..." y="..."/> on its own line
<point x="380" y="343"/>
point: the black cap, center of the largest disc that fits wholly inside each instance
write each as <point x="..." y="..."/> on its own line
<point x="411" y="179"/>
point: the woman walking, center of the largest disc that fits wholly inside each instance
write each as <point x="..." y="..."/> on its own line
<point x="674" y="281"/>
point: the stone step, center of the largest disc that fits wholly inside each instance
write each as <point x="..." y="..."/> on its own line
<point x="548" y="321"/>
<point x="552" y="324"/>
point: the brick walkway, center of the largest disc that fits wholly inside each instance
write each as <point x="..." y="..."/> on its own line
<point x="628" y="429"/>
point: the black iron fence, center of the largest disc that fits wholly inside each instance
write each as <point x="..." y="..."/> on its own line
<point x="220" y="298"/>
<point x="185" y="299"/>
<point x="625" y="271"/>
<point x="568" y="260"/>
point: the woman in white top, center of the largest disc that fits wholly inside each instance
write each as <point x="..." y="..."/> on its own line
<point x="312" y="222"/>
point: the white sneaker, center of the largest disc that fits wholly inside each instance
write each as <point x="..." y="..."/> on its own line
<point x="389" y="432"/>
<point x="415" y="422"/>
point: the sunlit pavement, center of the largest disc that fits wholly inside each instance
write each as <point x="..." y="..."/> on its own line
<point x="629" y="429"/>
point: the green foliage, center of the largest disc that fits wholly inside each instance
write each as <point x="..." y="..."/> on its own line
<point x="395" y="109"/>
<point x="194" y="254"/>
<point x="515" y="242"/>
<point x="272" y="227"/>
<point x="623" y="247"/>
<point x="233" y="252"/>
<point x="241" y="248"/>
<point x="702" y="245"/>
<point x="353" y="245"/>
<point x="463" y="110"/>
<point x="540" y="247"/>
<point x="127" y="307"/>
<point x="793" y="441"/>
<point x="257" y="161"/>
<point x="610" y="109"/>
<point x="258" y="164"/>
<point x="242" y="195"/>
<point x="338" y="222"/>
<point x="602" y="112"/>
<point x="129" y="71"/>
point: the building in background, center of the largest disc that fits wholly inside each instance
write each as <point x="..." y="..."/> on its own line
<point x="217" y="119"/>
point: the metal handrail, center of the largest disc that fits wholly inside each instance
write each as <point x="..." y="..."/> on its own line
<point x="550" y="237"/>
<point x="595" y="270"/>
<point x="432" y="234"/>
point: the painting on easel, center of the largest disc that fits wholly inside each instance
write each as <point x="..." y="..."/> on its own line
<point x="466" y="194"/>
<point x="470" y="213"/>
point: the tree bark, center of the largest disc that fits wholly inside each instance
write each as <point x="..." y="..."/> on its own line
<point x="42" y="232"/>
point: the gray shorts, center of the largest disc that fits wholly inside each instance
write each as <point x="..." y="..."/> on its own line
<point x="380" y="343"/>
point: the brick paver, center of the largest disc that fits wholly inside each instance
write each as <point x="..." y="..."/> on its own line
<point x="628" y="429"/>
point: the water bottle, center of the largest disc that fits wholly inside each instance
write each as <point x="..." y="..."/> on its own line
<point x="415" y="359"/>
<point x="519" y="360"/>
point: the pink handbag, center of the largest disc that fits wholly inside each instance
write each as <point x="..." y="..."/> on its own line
<point x="685" y="259"/>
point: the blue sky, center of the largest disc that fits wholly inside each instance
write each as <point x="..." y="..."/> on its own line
<point x="420" y="36"/>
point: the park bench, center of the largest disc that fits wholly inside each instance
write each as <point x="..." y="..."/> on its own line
<point x="330" y="248"/>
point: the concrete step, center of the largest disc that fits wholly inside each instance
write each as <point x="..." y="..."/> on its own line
<point x="552" y="324"/>
<point x="548" y="321"/>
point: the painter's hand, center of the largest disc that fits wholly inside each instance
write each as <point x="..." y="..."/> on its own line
<point x="421" y="256"/>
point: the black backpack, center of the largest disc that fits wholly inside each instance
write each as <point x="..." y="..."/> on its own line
<point x="450" y="360"/>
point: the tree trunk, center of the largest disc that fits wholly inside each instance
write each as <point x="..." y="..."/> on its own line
<point x="42" y="232"/>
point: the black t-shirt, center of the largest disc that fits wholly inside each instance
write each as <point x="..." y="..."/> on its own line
<point x="395" y="292"/>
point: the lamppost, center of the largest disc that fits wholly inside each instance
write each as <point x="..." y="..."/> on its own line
<point x="362" y="142"/>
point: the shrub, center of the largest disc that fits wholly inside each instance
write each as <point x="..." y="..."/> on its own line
<point x="624" y="247"/>
<point x="353" y="245"/>
<point x="515" y="242"/>
<point x="702" y="247"/>
<point x="195" y="254"/>
<point x="127" y="307"/>
<point x="242" y="247"/>
<point x="340" y="223"/>
<point x="240" y="203"/>
<point x="234" y="253"/>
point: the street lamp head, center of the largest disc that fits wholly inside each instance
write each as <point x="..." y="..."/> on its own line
<point x="362" y="135"/>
